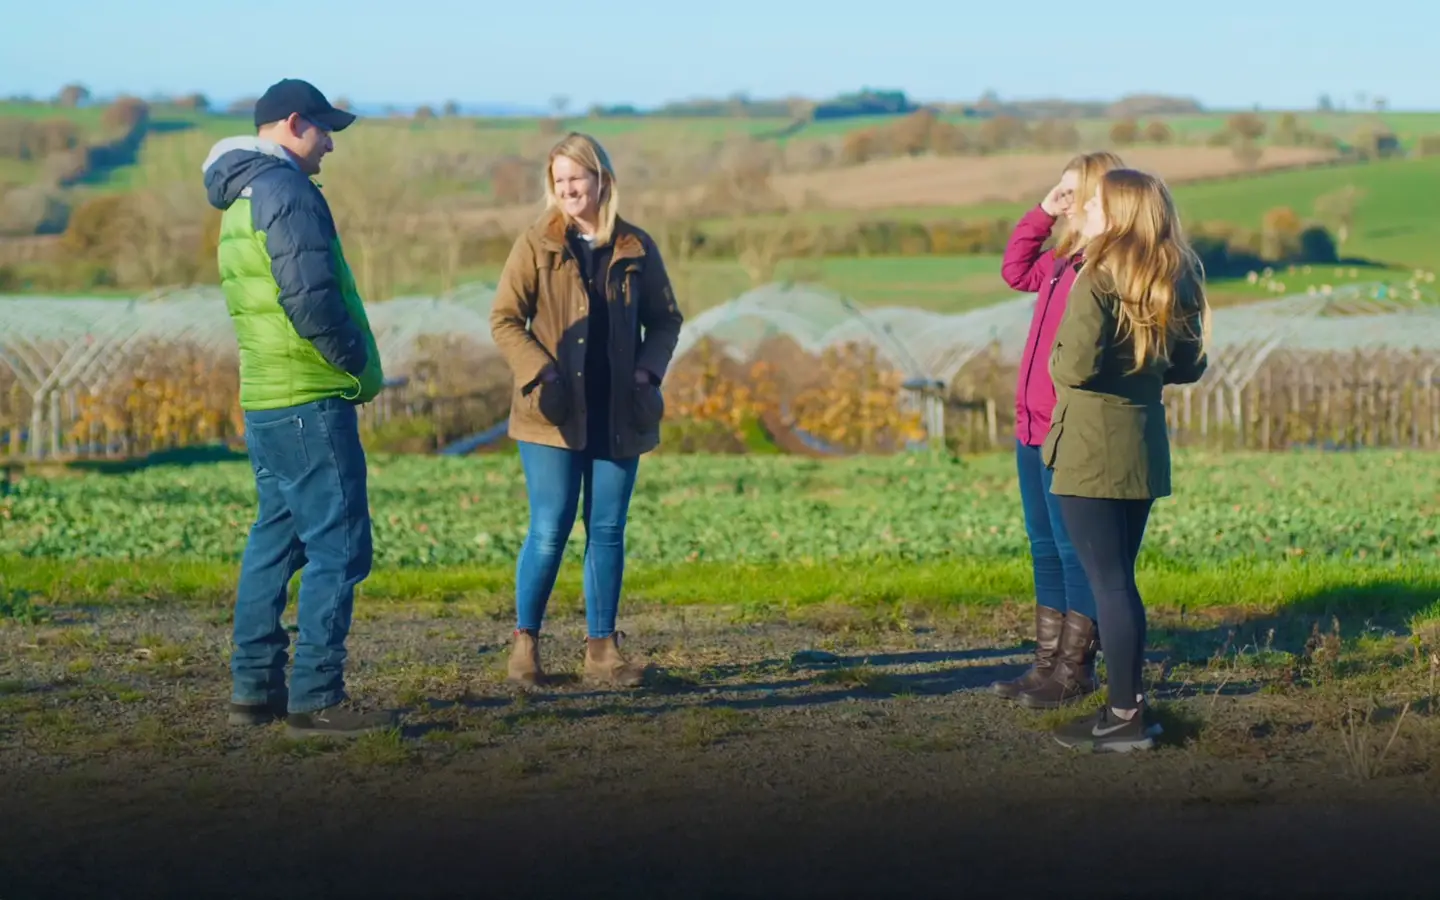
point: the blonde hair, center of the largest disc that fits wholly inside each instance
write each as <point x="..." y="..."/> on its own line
<point x="586" y="152"/>
<point x="1090" y="167"/>
<point x="1143" y="258"/>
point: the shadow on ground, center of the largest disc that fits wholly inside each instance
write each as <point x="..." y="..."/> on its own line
<point x="181" y="458"/>
<point x="852" y="679"/>
<point x="1387" y="608"/>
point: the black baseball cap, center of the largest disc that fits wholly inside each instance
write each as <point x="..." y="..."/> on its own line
<point x="291" y="95"/>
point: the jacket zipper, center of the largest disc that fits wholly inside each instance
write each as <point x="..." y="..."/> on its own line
<point x="609" y="342"/>
<point x="1030" y="369"/>
<point x="607" y="295"/>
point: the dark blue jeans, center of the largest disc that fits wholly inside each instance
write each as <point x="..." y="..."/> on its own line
<point x="554" y="479"/>
<point x="1060" y="581"/>
<point x="314" y="516"/>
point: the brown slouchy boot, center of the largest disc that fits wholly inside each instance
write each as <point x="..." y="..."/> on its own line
<point x="1048" y="625"/>
<point x="524" y="666"/>
<point x="1074" y="675"/>
<point x="605" y="664"/>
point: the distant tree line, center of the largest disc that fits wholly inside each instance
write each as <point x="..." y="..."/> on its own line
<point x="66" y="156"/>
<point x="865" y="103"/>
<point x="924" y="132"/>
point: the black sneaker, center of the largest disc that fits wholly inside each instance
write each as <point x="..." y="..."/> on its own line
<point x="1103" y="732"/>
<point x="248" y="714"/>
<point x="344" y="719"/>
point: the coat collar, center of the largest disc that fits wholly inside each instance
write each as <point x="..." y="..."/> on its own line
<point x="626" y="241"/>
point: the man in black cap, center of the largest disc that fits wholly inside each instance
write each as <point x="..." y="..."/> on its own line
<point x="295" y="115"/>
<point x="307" y="360"/>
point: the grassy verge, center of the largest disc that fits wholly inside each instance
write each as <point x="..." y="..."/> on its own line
<point x="1406" y="593"/>
<point x="1287" y="280"/>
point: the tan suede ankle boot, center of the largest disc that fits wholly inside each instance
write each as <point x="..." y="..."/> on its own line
<point x="605" y="664"/>
<point x="524" y="665"/>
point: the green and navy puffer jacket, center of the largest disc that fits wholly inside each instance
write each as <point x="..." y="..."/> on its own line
<point x="301" y="327"/>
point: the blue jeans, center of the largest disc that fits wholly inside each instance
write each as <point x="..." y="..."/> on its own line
<point x="1060" y="581"/>
<point x="314" y="515"/>
<point x="554" y="478"/>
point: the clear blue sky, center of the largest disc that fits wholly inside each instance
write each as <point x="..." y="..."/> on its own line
<point x="1225" y="53"/>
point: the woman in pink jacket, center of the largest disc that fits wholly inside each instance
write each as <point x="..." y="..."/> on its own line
<point x="1065" y="631"/>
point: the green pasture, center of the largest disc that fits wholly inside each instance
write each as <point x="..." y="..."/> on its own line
<point x="1392" y="224"/>
<point x="1255" y="531"/>
<point x="87" y="118"/>
<point x="937" y="283"/>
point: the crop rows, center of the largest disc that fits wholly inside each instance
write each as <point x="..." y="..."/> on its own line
<point x="754" y="509"/>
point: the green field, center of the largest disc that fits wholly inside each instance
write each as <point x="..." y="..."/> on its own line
<point x="508" y="135"/>
<point x="947" y="284"/>
<point x="944" y="284"/>
<point x="88" y="118"/>
<point x="817" y="639"/>
<point x="951" y="284"/>
<point x="1391" y="223"/>
<point x="937" y="283"/>
<point x="19" y="171"/>
<point x="1248" y="531"/>
<point x="1389" y="226"/>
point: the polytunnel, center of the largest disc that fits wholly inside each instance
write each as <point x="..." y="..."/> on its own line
<point x="401" y="324"/>
<point x="53" y="349"/>
<point x="943" y="344"/>
<point x="815" y="318"/>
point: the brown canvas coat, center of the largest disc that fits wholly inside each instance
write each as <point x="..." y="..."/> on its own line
<point x="540" y="320"/>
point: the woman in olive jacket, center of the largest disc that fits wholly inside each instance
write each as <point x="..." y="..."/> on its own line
<point x="1137" y="320"/>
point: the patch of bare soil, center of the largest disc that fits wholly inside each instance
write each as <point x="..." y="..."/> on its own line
<point x="1010" y="178"/>
<point x="751" y="765"/>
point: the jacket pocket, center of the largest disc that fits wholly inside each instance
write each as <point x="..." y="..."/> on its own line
<point x="547" y="401"/>
<point x="1051" y="445"/>
<point x="647" y="406"/>
<point x="629" y="302"/>
<point x="278" y="445"/>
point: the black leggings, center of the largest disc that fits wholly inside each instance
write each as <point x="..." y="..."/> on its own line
<point x="1107" y="536"/>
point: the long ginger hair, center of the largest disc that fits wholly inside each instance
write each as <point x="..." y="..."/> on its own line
<point x="1089" y="168"/>
<point x="1143" y="258"/>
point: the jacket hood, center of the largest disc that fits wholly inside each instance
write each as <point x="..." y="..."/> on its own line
<point x="233" y="164"/>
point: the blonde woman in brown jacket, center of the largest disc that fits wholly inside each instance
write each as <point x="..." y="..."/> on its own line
<point x="587" y="321"/>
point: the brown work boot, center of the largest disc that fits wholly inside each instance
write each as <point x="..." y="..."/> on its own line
<point x="605" y="664"/>
<point x="1074" y="675"/>
<point x="1048" y="625"/>
<point x="524" y="666"/>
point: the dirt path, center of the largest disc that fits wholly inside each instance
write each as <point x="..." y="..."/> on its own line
<point x="743" y="771"/>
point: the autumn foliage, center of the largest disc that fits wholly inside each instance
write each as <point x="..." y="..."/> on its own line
<point x="846" y="400"/>
<point x="855" y="403"/>
<point x="173" y="397"/>
<point x="714" y="403"/>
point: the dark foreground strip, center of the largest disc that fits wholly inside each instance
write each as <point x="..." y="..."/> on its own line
<point x="415" y="837"/>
